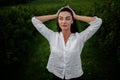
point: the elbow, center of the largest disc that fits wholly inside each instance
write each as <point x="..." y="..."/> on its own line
<point x="97" y="21"/>
<point x="100" y="21"/>
<point x="32" y="19"/>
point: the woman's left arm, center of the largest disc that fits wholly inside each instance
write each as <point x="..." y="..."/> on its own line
<point x="94" y="25"/>
<point x="86" y="19"/>
<point x="94" y="22"/>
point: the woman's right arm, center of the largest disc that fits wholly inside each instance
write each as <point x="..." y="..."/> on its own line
<point x="46" y="17"/>
<point x="38" y="24"/>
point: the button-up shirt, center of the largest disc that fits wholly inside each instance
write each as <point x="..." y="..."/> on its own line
<point x="64" y="60"/>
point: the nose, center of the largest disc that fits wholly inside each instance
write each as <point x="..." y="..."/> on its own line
<point x="64" y="21"/>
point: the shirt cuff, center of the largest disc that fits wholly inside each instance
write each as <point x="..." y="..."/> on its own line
<point x="96" y="21"/>
<point x="35" y="20"/>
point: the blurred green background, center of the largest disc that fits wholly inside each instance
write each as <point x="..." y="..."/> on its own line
<point x="24" y="51"/>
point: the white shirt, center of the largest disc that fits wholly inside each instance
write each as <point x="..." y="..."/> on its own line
<point x="65" y="60"/>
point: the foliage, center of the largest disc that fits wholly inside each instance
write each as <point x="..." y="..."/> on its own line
<point x="18" y="37"/>
<point x="12" y="2"/>
<point x="109" y="34"/>
<point x="22" y="48"/>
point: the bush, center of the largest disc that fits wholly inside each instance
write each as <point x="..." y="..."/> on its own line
<point x="108" y="35"/>
<point x="12" y="2"/>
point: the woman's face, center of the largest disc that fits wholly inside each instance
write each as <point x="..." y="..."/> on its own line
<point x="65" y="20"/>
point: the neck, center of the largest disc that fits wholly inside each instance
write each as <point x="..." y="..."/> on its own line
<point x="66" y="33"/>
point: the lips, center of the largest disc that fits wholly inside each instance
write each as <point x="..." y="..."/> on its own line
<point x="64" y="25"/>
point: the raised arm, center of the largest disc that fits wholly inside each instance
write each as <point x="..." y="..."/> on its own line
<point x="84" y="18"/>
<point x="46" y="17"/>
<point x="38" y="23"/>
<point x="94" y="22"/>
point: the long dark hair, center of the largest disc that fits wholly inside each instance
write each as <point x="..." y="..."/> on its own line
<point x="74" y="27"/>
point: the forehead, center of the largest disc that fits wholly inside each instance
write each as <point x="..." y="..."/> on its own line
<point x="64" y="14"/>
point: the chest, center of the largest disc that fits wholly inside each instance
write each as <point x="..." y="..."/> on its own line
<point x="58" y="44"/>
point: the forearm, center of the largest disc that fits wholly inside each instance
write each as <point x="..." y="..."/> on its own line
<point x="46" y="17"/>
<point x="84" y="18"/>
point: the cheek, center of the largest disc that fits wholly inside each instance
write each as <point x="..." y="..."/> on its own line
<point x="70" y="22"/>
<point x="59" y="23"/>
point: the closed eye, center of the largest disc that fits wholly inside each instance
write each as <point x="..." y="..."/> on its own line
<point x="60" y="18"/>
<point x="68" y="18"/>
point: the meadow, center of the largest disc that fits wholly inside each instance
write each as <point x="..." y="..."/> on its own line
<point x="24" y="51"/>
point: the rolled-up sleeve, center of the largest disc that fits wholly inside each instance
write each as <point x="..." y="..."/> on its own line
<point x="92" y="28"/>
<point x="47" y="33"/>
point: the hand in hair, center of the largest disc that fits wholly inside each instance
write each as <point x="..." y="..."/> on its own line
<point x="59" y="10"/>
<point x="68" y="8"/>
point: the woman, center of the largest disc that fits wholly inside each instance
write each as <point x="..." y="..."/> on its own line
<point x="66" y="44"/>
